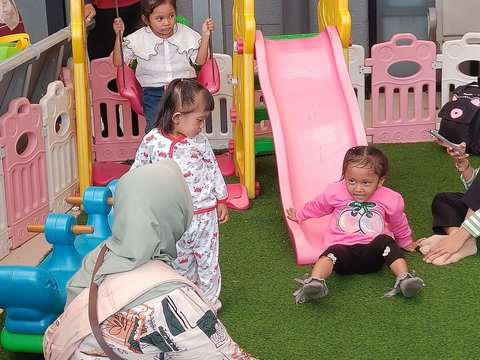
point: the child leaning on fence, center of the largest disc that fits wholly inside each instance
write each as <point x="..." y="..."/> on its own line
<point x="164" y="50"/>
<point x="368" y="227"/>
<point x="178" y="135"/>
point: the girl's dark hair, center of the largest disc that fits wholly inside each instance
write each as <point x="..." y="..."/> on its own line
<point x="367" y="157"/>
<point x="181" y="95"/>
<point x="148" y="6"/>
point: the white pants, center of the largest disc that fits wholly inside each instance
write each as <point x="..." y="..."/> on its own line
<point x="197" y="255"/>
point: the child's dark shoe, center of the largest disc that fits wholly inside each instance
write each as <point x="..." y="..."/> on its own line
<point x="411" y="286"/>
<point x="406" y="284"/>
<point x="312" y="288"/>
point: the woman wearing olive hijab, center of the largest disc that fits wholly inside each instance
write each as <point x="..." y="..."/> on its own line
<point x="145" y="309"/>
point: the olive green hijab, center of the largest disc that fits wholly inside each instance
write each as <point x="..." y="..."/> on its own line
<point x="153" y="208"/>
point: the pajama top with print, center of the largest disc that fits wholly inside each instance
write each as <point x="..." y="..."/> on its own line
<point x="196" y="160"/>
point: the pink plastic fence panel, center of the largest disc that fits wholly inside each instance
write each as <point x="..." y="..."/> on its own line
<point x="415" y="93"/>
<point x="61" y="145"/>
<point x="116" y="138"/>
<point x="24" y="168"/>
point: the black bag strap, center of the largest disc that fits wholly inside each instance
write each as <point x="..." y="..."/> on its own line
<point x="92" y="309"/>
<point x="461" y="88"/>
<point x="474" y="82"/>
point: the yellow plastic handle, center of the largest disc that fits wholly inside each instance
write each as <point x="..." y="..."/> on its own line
<point x="22" y="39"/>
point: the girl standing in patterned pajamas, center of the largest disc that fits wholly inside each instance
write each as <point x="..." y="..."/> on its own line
<point x="177" y="134"/>
<point x="367" y="229"/>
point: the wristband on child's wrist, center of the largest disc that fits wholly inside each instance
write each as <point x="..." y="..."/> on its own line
<point x="461" y="168"/>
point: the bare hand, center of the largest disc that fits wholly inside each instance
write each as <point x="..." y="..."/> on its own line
<point x="89" y="12"/>
<point x="447" y="246"/>
<point x="412" y="247"/>
<point x="454" y="154"/>
<point x="118" y="26"/>
<point x="222" y="213"/>
<point x="208" y="28"/>
<point x="292" y="214"/>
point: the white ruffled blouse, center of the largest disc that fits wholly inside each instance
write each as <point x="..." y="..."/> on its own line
<point x="162" y="60"/>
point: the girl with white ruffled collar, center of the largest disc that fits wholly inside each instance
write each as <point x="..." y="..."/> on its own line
<point x="164" y="50"/>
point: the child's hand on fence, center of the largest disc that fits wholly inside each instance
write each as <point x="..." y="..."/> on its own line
<point x="222" y="213"/>
<point x="292" y="214"/>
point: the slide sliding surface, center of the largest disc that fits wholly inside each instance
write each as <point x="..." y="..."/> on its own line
<point x="315" y="119"/>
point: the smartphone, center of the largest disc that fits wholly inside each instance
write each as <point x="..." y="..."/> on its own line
<point x="447" y="142"/>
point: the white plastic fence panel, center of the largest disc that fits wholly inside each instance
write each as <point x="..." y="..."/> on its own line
<point x="219" y="130"/>
<point x="356" y="59"/>
<point x="455" y="52"/>
<point x="5" y="242"/>
<point x="61" y="145"/>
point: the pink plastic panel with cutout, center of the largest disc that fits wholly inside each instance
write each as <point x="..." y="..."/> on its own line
<point x="415" y="93"/>
<point x="24" y="168"/>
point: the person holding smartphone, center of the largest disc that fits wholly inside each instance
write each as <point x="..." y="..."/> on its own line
<point x="451" y="209"/>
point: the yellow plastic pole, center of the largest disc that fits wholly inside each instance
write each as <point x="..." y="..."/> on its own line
<point x="82" y="97"/>
<point x="335" y="13"/>
<point x="244" y="36"/>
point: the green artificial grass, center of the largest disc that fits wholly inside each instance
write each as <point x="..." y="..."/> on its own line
<point x="354" y="321"/>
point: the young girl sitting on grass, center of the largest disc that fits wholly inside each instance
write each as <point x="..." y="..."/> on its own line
<point x="177" y="134"/>
<point x="368" y="227"/>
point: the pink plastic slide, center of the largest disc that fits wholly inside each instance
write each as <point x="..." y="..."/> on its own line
<point x="315" y="119"/>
